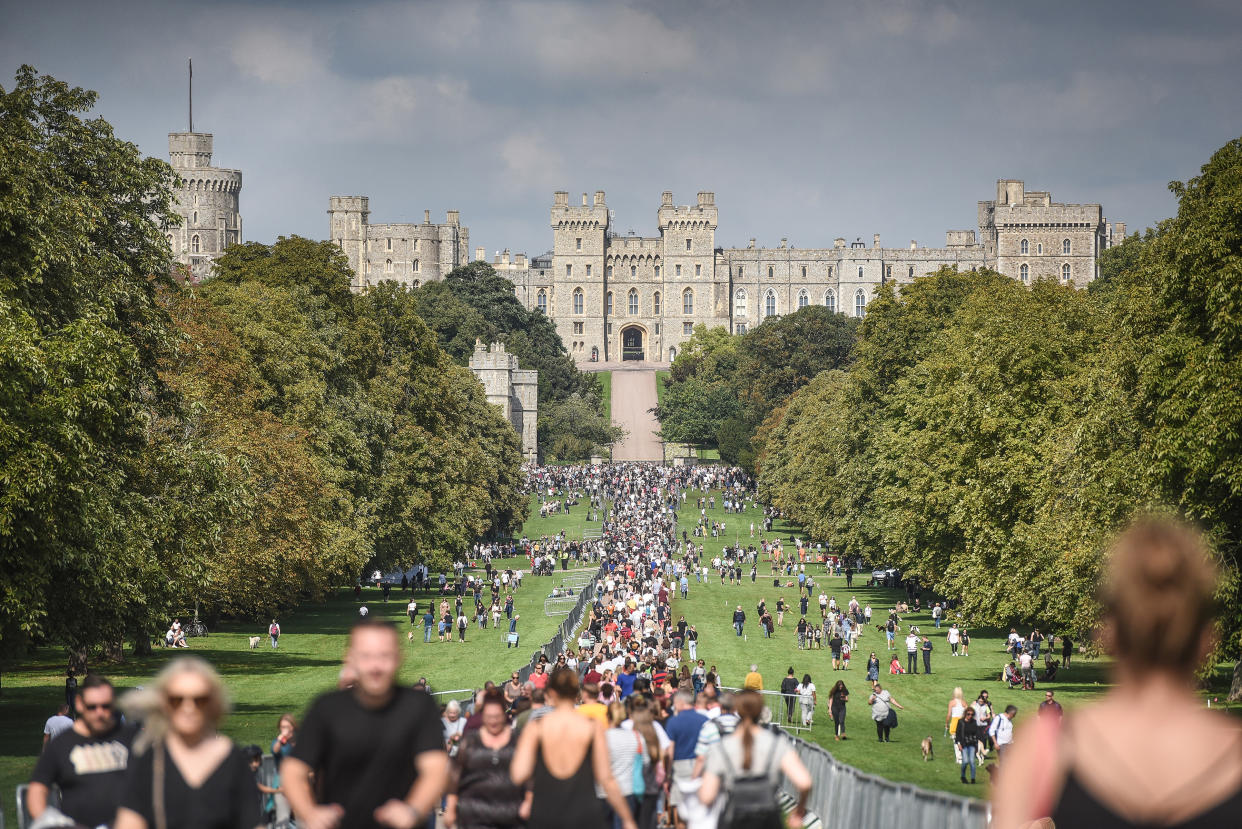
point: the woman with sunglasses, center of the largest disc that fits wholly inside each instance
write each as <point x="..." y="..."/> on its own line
<point x="184" y="772"/>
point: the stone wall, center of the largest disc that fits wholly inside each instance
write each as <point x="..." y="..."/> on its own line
<point x="406" y="253"/>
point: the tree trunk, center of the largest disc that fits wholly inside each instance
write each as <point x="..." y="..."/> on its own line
<point x="1235" y="689"/>
<point x="114" y="651"/>
<point x="77" y="660"/>
<point x="142" y="645"/>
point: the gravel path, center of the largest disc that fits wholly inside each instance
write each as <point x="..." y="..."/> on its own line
<point x="633" y="395"/>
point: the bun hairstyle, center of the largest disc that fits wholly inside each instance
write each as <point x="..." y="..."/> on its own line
<point x="564" y="683"/>
<point x="1159" y="594"/>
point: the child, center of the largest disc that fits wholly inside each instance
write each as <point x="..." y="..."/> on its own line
<point x="894" y="667"/>
<point x="845" y="657"/>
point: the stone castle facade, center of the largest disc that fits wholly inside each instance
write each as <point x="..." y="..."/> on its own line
<point x="514" y="390"/>
<point x="207" y="199"/>
<point x="616" y="297"/>
<point x="406" y="253"/>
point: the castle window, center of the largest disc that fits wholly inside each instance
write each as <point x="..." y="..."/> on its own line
<point x="698" y="270"/>
<point x="1065" y="246"/>
<point x="1065" y="272"/>
<point x="368" y="263"/>
<point x="657" y="329"/>
<point x="414" y="265"/>
<point x="740" y="328"/>
<point x="387" y="266"/>
<point x="194" y="243"/>
<point x="860" y="271"/>
<point x="609" y="331"/>
<point x="769" y="271"/>
<point x="860" y="303"/>
<point x="687" y="301"/>
<point x="633" y="302"/>
<point x="657" y="271"/>
<point x="804" y="299"/>
<point x="569" y="270"/>
<point x="633" y="271"/>
<point x="416" y="246"/>
<point x="578" y="302"/>
<point x="769" y="305"/>
<point x="739" y="303"/>
<point x="677" y="271"/>
<point x="578" y="326"/>
<point x="608" y="271"/>
<point x="194" y="218"/>
<point x="687" y="244"/>
<point x="830" y="300"/>
<point x="588" y="270"/>
<point x="1024" y="247"/>
<point x="655" y="305"/>
<point x="687" y="328"/>
<point x="578" y="243"/>
<point x="415" y="283"/>
<point x="1039" y="248"/>
<point x="608" y="303"/>
<point x="804" y="271"/>
<point x="911" y="274"/>
<point x="830" y="271"/>
<point x="672" y="354"/>
<point x="542" y="300"/>
<point x="1025" y="273"/>
<point x="739" y="272"/>
<point x="389" y="241"/>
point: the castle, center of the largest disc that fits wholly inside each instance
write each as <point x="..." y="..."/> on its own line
<point x="514" y="390"/>
<point x="207" y="199"/>
<point x="617" y="297"/>
<point x="407" y="253"/>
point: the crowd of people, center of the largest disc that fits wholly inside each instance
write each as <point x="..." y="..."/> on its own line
<point x="628" y="727"/>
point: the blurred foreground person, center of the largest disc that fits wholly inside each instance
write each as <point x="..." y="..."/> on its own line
<point x="564" y="755"/>
<point x="1148" y="754"/>
<point x="746" y="768"/>
<point x="184" y="774"/>
<point x="376" y="750"/>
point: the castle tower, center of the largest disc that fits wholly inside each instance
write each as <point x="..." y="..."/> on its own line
<point x="513" y="390"/>
<point x="579" y="246"/>
<point x="692" y="293"/>
<point x="348" y="217"/>
<point x="207" y="199"/>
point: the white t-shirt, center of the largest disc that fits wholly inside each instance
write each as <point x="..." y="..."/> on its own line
<point x="912" y="643"/>
<point x="57" y="724"/>
<point x="954" y="636"/>
<point x="806" y="692"/>
<point x="663" y="737"/>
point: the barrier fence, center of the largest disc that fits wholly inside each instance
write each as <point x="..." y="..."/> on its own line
<point x="554" y="646"/>
<point x="783" y="709"/>
<point x="844" y="796"/>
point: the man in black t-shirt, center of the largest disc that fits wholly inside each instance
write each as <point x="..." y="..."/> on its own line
<point x="376" y="750"/>
<point x="87" y="761"/>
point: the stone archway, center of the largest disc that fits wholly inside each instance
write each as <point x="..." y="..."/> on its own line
<point x="632" y="347"/>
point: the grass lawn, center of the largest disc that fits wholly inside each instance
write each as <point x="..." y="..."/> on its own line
<point x="605" y="383"/>
<point x="661" y="376"/>
<point x="710" y="608"/>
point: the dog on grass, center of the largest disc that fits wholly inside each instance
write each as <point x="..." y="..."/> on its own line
<point x="254" y="642"/>
<point x="928" y="751"/>
<point x="410" y="636"/>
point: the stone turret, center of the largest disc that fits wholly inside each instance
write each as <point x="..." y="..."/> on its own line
<point x="514" y="390"/>
<point x="208" y="201"/>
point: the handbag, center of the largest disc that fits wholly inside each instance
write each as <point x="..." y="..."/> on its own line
<point x="639" y="780"/>
<point x="891" y="720"/>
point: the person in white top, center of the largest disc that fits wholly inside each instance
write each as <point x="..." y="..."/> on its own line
<point x="954" y="637"/>
<point x="1001" y="731"/>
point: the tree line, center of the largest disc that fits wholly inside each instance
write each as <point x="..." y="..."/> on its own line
<point x="239" y="445"/>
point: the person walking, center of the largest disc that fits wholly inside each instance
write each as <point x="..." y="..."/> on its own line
<point x="912" y="652"/>
<point x="273" y="632"/>
<point x="184" y="773"/>
<point x="789" y="691"/>
<point x="954" y="638"/>
<point x="882" y="705"/>
<point x="807" y="698"/>
<point x="375" y="750"/>
<point x="739" y="620"/>
<point x="966" y="738"/>
<point x="837" y="698"/>
<point x="953" y="715"/>
<point x="481" y="794"/>
<point x="563" y="756"/>
<point x="873" y="668"/>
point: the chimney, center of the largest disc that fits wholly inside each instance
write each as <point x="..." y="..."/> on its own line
<point x="751" y="246"/>
<point x="666" y="198"/>
<point x="521" y="260"/>
<point x="504" y="257"/>
<point x="426" y="217"/>
<point x="560" y="199"/>
<point x="913" y="245"/>
<point x="706" y="198"/>
<point x="584" y="202"/>
<point x="783" y="241"/>
<point x="838" y="242"/>
<point x="453" y="217"/>
<point x="875" y="240"/>
<point x="599" y="198"/>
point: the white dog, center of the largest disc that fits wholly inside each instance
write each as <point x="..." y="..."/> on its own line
<point x="254" y="642"/>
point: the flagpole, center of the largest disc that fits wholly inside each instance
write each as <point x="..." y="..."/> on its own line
<point x="191" y="95"/>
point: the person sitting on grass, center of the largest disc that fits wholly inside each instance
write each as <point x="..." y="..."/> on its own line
<point x="894" y="667"/>
<point x="1010" y="676"/>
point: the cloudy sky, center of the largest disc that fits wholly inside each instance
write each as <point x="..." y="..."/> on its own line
<point x="808" y="120"/>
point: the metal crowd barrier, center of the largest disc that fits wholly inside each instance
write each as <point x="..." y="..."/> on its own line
<point x="842" y="795"/>
<point x="778" y="709"/>
<point x="564" y="633"/>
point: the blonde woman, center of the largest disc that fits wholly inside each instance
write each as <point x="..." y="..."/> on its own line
<point x="184" y="773"/>
<point x="957" y="707"/>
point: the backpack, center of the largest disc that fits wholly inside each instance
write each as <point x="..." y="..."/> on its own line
<point x="751" y="802"/>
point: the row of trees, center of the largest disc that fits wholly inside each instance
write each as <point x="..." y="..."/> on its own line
<point x="722" y="387"/>
<point x="242" y="445"/>
<point x="990" y="438"/>
<point x="475" y="303"/>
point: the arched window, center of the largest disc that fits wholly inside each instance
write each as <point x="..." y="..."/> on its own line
<point x="1024" y="247"/>
<point x="542" y="300"/>
<point x="594" y="353"/>
<point x="830" y="300"/>
<point x="1065" y="272"/>
<point x="633" y="302"/>
<point x="657" y="271"/>
<point x="655" y="304"/>
<point x="804" y="271"/>
<point x="577" y="300"/>
<point x="608" y="271"/>
<point x="387" y="266"/>
<point x="860" y="271"/>
<point x="1065" y="246"/>
<point x="687" y="301"/>
<point x="911" y="273"/>
<point x="194" y="218"/>
<point x="633" y="271"/>
<point x="860" y="303"/>
<point x="804" y="299"/>
<point x="739" y="303"/>
<point x="608" y="303"/>
<point x="672" y="354"/>
<point x="389" y="241"/>
<point x="740" y="328"/>
<point x="769" y="304"/>
<point x="739" y="271"/>
<point x="194" y="243"/>
<point x="769" y="271"/>
<point x="1025" y="273"/>
<point x="415" y="266"/>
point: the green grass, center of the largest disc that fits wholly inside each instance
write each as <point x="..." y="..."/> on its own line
<point x="661" y="376"/>
<point x="605" y="383"/>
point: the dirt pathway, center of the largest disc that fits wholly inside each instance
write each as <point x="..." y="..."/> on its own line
<point x="633" y="395"/>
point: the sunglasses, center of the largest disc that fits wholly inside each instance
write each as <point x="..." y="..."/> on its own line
<point x="200" y="702"/>
<point x="98" y="706"/>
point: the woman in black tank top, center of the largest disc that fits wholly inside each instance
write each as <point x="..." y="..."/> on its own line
<point x="1149" y="754"/>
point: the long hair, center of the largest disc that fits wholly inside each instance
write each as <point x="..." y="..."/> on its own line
<point x="643" y="717"/>
<point x="149" y="705"/>
<point x="749" y="706"/>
